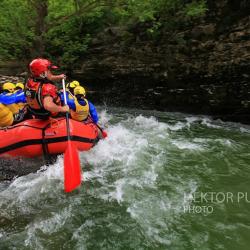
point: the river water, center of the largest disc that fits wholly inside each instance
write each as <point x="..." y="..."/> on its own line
<point x="159" y="181"/>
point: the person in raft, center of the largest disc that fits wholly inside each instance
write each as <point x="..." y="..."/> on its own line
<point x="71" y="86"/>
<point x="19" y="87"/>
<point x="8" y="88"/>
<point x="41" y="94"/>
<point x="80" y="108"/>
<point x="12" y="106"/>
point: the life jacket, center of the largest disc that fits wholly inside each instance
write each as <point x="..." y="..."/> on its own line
<point x="14" y="108"/>
<point x="11" y="111"/>
<point x="6" y="116"/>
<point x="33" y="93"/>
<point x="71" y="96"/>
<point x="21" y="105"/>
<point x="82" y="111"/>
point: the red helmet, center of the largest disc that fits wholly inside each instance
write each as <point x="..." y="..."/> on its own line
<point x="39" y="66"/>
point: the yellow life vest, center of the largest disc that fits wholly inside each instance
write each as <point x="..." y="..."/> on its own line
<point x="6" y="116"/>
<point x="21" y="105"/>
<point x="14" y="108"/>
<point x="81" y="112"/>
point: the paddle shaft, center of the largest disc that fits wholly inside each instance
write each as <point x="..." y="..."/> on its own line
<point x="67" y="113"/>
<point x="99" y="127"/>
<point x="104" y="134"/>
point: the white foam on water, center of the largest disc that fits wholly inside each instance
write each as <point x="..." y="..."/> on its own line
<point x="244" y="130"/>
<point x="150" y="123"/>
<point x="202" y="140"/>
<point x="126" y="167"/>
<point x="50" y="225"/>
<point x="177" y="126"/>
<point x="187" y="145"/>
<point x="104" y="117"/>
<point x="81" y="236"/>
<point x="121" y="145"/>
<point x="156" y="213"/>
<point x="224" y="142"/>
<point x="78" y="233"/>
<point x="118" y="193"/>
<point x="28" y="190"/>
<point x="91" y="175"/>
<point x="209" y="123"/>
<point x="192" y="119"/>
<point x="127" y="190"/>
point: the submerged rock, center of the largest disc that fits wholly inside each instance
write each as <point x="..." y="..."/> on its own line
<point x="14" y="167"/>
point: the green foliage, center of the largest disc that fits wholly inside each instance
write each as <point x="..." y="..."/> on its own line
<point x="196" y="8"/>
<point x="66" y="28"/>
<point x="59" y="8"/>
<point x="69" y="32"/>
<point x="67" y="42"/>
<point x="16" y="29"/>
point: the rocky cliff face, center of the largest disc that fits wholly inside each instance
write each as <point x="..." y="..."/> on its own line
<point x="204" y="67"/>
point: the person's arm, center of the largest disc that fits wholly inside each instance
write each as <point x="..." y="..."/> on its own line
<point x="70" y="101"/>
<point x="93" y="112"/>
<point x="52" y="107"/>
<point x="20" y="97"/>
<point x="12" y="98"/>
<point x="52" y="77"/>
<point x="8" y="99"/>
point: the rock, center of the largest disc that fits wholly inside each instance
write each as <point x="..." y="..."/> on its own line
<point x="11" y="168"/>
<point x="203" y="31"/>
<point x="13" y="79"/>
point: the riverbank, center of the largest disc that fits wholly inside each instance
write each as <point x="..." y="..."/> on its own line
<point x="154" y="98"/>
<point x="201" y="68"/>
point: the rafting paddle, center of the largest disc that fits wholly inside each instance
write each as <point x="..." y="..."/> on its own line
<point x="104" y="133"/>
<point x="72" y="169"/>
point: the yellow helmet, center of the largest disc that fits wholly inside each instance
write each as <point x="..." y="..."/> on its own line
<point x="20" y="85"/>
<point x="10" y="87"/>
<point x="73" y="84"/>
<point x="79" y="90"/>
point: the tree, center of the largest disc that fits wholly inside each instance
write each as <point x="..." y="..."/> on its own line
<point x="63" y="29"/>
<point x="40" y="26"/>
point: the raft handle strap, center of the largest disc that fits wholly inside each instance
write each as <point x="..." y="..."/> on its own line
<point x="46" y="154"/>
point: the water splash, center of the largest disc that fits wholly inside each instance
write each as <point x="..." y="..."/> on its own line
<point x="135" y="185"/>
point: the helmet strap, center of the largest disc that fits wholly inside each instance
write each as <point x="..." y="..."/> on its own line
<point x="44" y="74"/>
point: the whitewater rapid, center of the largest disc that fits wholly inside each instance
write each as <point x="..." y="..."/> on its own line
<point x="136" y="185"/>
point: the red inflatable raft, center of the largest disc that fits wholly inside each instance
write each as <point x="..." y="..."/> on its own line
<point x="33" y="138"/>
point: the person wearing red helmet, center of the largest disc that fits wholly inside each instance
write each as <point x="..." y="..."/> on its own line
<point x="41" y="93"/>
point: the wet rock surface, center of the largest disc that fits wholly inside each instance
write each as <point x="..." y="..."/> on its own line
<point x="13" y="79"/>
<point x="15" y="167"/>
<point x="11" y="168"/>
<point x="203" y="68"/>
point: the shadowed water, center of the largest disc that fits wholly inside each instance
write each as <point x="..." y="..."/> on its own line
<point x="138" y="189"/>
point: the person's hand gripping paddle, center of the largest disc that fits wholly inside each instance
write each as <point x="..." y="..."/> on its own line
<point x="72" y="168"/>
